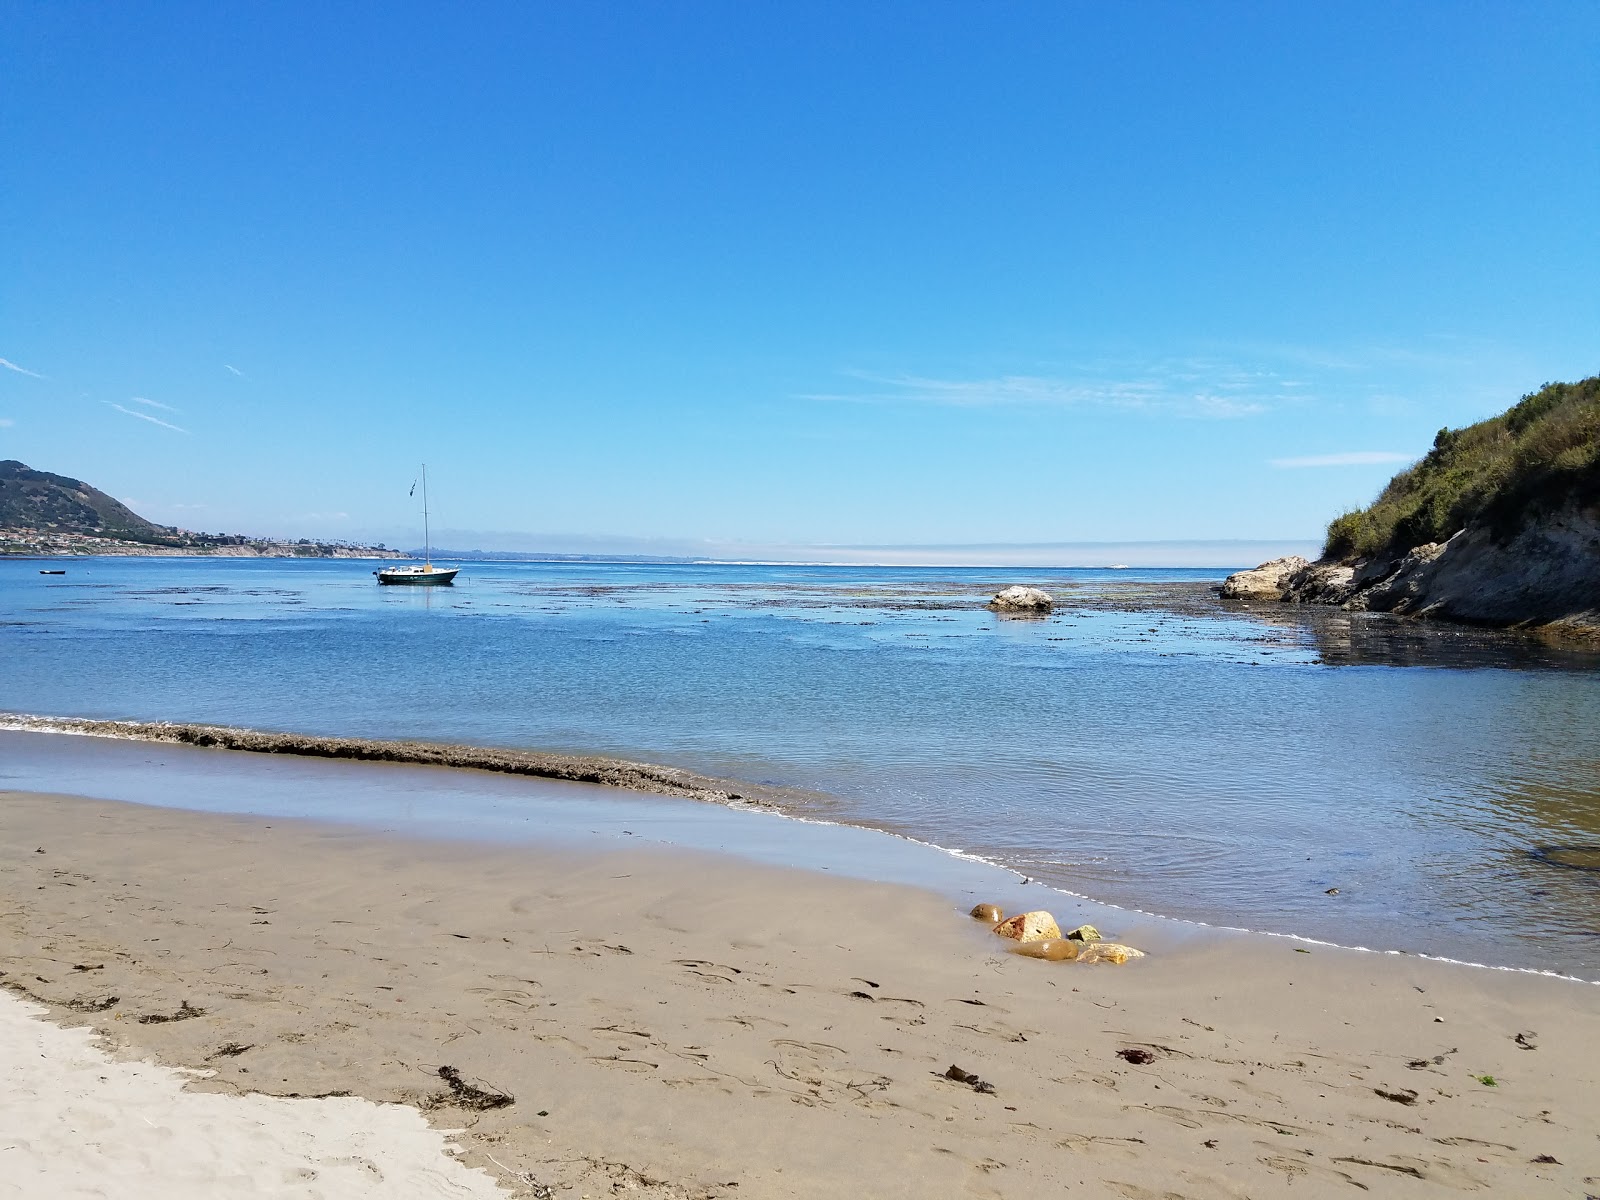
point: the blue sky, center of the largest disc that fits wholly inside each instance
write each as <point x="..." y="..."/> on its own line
<point x="736" y="276"/>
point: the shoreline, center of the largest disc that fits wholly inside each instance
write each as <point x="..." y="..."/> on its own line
<point x="622" y="778"/>
<point x="634" y="776"/>
<point x="677" y="1022"/>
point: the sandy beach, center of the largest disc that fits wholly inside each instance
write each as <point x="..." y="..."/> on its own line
<point x="661" y="1023"/>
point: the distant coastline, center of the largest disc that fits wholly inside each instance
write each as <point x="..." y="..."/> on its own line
<point x="47" y="515"/>
<point x="28" y="543"/>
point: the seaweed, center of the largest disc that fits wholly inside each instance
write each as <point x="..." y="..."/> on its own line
<point x="465" y="1095"/>
<point x="186" y="1012"/>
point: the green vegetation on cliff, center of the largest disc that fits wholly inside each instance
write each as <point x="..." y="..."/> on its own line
<point x="1535" y="457"/>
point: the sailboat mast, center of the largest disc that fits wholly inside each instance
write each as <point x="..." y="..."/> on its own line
<point x="427" y="541"/>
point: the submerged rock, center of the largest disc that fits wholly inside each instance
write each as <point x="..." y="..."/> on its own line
<point x="1085" y="933"/>
<point x="1029" y="927"/>
<point x="1019" y="599"/>
<point x="1269" y="581"/>
<point x="991" y="913"/>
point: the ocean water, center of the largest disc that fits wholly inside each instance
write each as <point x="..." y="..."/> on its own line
<point x="1144" y="745"/>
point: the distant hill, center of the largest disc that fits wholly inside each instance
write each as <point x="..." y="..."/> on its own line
<point x="45" y="514"/>
<point x="32" y="499"/>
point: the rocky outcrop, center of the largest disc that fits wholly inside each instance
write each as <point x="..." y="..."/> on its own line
<point x="1320" y="583"/>
<point x="1019" y="599"/>
<point x="1545" y="574"/>
<point x="1266" y="582"/>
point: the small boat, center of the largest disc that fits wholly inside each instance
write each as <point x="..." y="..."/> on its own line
<point x="425" y="574"/>
<point x="52" y="572"/>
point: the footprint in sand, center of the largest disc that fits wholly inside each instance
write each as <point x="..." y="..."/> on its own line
<point x="638" y="1066"/>
<point x="715" y="972"/>
<point x="1199" y="1118"/>
<point x="824" y="1071"/>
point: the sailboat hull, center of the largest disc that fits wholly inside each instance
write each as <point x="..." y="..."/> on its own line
<point x="419" y="576"/>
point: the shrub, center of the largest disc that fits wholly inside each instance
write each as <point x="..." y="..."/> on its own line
<point x="1541" y="453"/>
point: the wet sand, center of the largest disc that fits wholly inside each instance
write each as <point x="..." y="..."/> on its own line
<point x="652" y="778"/>
<point x="671" y="1024"/>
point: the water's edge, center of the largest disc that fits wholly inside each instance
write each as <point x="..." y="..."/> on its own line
<point x="625" y="775"/>
<point x="573" y="768"/>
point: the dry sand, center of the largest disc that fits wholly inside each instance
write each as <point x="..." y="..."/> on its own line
<point x="78" y="1124"/>
<point x="678" y="1025"/>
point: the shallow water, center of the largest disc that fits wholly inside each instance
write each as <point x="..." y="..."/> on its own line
<point x="1144" y="745"/>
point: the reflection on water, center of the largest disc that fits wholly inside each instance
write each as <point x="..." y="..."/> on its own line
<point x="1145" y="744"/>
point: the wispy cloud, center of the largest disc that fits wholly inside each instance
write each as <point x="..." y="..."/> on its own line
<point x="6" y="422"/>
<point x="153" y="404"/>
<point x="1355" y="458"/>
<point x="234" y="369"/>
<point x="11" y="366"/>
<point x="147" y="417"/>
<point x="1189" y="388"/>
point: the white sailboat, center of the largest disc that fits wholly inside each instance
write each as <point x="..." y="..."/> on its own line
<point x="426" y="574"/>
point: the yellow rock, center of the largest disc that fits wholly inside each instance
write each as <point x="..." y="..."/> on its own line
<point x="1111" y="952"/>
<point x="991" y="913"/>
<point x="1029" y="927"/>
<point x="1051" y="949"/>
<point x="1085" y="933"/>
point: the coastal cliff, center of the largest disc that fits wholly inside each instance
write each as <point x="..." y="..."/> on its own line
<point x="1499" y="524"/>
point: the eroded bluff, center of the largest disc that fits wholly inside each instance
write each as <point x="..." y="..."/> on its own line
<point x="1546" y="574"/>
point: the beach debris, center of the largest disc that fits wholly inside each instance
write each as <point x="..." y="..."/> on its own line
<point x="1422" y="1064"/>
<point x="465" y="1095"/>
<point x="1029" y="927"/>
<point x="1085" y="933"/>
<point x="1050" y="949"/>
<point x="1487" y="1080"/>
<point x="1136" y="1056"/>
<point x="229" y="1050"/>
<point x="186" y="1012"/>
<point x="991" y="913"/>
<point x="967" y="1077"/>
<point x="1525" y="1040"/>
<point x="81" y="1004"/>
<point x="1547" y="1158"/>
<point x="1111" y="952"/>
<point x="1019" y="599"/>
<point x="1404" y="1096"/>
